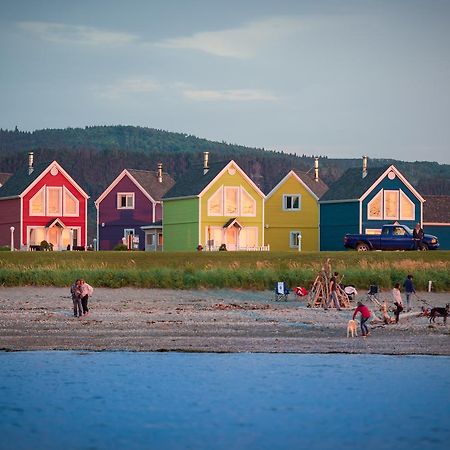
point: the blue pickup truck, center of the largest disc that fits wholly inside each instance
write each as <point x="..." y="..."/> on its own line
<point x="392" y="237"/>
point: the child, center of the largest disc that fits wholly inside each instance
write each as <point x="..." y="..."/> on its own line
<point x="76" y="298"/>
<point x="397" y="301"/>
<point x="365" y="316"/>
<point x="409" y="289"/>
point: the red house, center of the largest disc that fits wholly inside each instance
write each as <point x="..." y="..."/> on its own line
<point x="42" y="203"/>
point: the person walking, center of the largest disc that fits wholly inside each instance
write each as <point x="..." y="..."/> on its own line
<point x="333" y="294"/>
<point x="418" y="237"/>
<point x="398" y="302"/>
<point x="365" y="316"/>
<point x="76" y="298"/>
<point x="86" y="291"/>
<point x="409" y="290"/>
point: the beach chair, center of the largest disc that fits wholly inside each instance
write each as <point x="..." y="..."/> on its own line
<point x="281" y="291"/>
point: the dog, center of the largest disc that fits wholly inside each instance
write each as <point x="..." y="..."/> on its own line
<point x="439" y="312"/>
<point x="352" y="328"/>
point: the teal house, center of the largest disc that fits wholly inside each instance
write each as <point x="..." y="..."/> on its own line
<point x="362" y="201"/>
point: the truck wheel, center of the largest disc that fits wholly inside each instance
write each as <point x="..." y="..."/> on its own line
<point x="362" y="247"/>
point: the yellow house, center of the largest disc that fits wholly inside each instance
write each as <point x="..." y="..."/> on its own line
<point x="212" y="206"/>
<point x="292" y="212"/>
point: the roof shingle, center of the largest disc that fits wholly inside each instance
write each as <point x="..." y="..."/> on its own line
<point x="436" y="209"/>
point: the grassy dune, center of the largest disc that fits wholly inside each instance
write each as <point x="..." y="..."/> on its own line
<point x="246" y="270"/>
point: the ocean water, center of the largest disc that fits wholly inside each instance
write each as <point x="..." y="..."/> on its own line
<point x="121" y="400"/>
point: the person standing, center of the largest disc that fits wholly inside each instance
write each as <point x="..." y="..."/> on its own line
<point x="333" y="292"/>
<point x="86" y="290"/>
<point x="365" y="316"/>
<point x="76" y="298"/>
<point x="398" y="302"/>
<point x="409" y="290"/>
<point x="418" y="237"/>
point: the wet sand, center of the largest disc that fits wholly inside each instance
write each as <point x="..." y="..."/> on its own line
<point x="204" y="321"/>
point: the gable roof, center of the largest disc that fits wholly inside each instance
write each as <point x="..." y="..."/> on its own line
<point x="195" y="181"/>
<point x="145" y="180"/>
<point x="351" y="185"/>
<point x="316" y="188"/>
<point x="436" y="209"/>
<point x="4" y="177"/>
<point x="20" y="182"/>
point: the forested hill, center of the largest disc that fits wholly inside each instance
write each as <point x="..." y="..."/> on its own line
<point x="94" y="156"/>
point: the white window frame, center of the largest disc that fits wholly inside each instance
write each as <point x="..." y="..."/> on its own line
<point x="220" y="213"/>
<point x="125" y="194"/>
<point x="39" y="192"/>
<point x="237" y="190"/>
<point x="125" y="234"/>
<point x="285" y="196"/>
<point x="386" y="217"/>
<point x="77" y="203"/>
<point x="47" y="203"/>
<point x="380" y="217"/>
<point x="291" y="238"/>
<point x="243" y="190"/>
<point x="405" y="197"/>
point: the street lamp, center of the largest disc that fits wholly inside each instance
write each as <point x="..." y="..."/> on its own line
<point x="12" y="238"/>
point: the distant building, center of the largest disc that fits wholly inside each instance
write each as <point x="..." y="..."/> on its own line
<point x="43" y="203"/>
<point x="292" y="212"/>
<point x="129" y="211"/>
<point x="361" y="201"/>
<point x="436" y="218"/>
<point x="214" y="206"/>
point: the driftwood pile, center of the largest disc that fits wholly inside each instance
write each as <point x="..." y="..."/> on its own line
<point x="319" y="295"/>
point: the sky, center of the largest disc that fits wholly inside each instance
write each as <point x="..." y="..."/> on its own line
<point x="333" y="78"/>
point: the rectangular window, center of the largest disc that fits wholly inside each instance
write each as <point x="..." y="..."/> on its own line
<point x="294" y="239"/>
<point x="391" y="205"/>
<point x="231" y="201"/>
<point x="292" y="202"/>
<point x="248" y="237"/>
<point x="150" y="239"/>
<point x="54" y="201"/>
<point x="373" y="231"/>
<point x="213" y="237"/>
<point x="125" y="200"/>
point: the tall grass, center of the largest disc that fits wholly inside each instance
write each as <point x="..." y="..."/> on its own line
<point x="256" y="271"/>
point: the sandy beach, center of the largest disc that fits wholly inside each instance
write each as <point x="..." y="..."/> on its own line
<point x="204" y="321"/>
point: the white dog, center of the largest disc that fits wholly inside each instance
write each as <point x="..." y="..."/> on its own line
<point x="352" y="328"/>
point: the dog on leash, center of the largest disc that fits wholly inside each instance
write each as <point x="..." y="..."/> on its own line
<point x="439" y="312"/>
<point x="352" y="328"/>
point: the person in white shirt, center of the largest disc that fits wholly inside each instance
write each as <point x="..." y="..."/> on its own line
<point x="398" y="303"/>
<point x="86" y="290"/>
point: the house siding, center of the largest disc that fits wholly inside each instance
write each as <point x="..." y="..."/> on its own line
<point x="393" y="185"/>
<point x="442" y="232"/>
<point x="116" y="220"/>
<point x="181" y="222"/>
<point x="235" y="180"/>
<point x="58" y="180"/>
<point x="280" y="223"/>
<point x="336" y="220"/>
<point x="10" y="217"/>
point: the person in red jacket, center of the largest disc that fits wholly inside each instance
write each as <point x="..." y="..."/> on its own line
<point x="365" y="316"/>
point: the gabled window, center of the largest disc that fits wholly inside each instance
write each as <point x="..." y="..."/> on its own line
<point x="37" y="203"/>
<point x="231" y="194"/>
<point x="215" y="203"/>
<point x="374" y="207"/>
<point x="292" y="202"/>
<point x="125" y="200"/>
<point x="54" y="200"/>
<point x="248" y="204"/>
<point x="407" y="207"/>
<point x="70" y="204"/>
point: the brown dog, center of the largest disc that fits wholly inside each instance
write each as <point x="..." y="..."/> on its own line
<point x="352" y="328"/>
<point x="439" y="312"/>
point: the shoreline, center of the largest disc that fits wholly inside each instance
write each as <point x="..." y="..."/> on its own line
<point x="204" y="321"/>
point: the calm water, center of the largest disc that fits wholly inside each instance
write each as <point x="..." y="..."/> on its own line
<point x="117" y="400"/>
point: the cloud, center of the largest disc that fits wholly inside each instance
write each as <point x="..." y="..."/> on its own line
<point x="134" y="85"/>
<point x="76" y="34"/>
<point x="232" y="95"/>
<point x="243" y="42"/>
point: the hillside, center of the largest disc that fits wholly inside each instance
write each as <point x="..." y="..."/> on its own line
<point x="96" y="155"/>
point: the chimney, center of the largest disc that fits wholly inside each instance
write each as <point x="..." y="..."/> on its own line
<point x="316" y="169"/>
<point x="160" y="173"/>
<point x="30" y="163"/>
<point x="364" y="167"/>
<point x="205" y="162"/>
